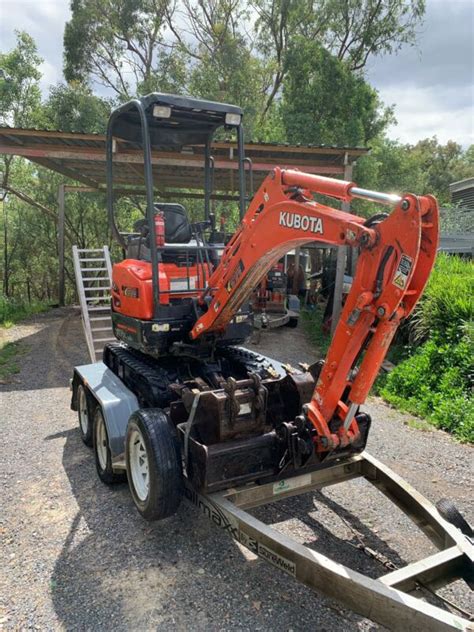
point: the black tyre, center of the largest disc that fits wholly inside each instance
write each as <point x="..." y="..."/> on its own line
<point x="292" y="323"/>
<point x="451" y="513"/>
<point x="102" y="454"/>
<point x="154" y="469"/>
<point x="84" y="414"/>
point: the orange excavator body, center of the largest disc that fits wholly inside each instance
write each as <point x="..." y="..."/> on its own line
<point x="132" y="292"/>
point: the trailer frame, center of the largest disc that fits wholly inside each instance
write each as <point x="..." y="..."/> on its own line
<point x="385" y="600"/>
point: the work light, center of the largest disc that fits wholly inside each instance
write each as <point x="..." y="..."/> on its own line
<point x="161" y="111"/>
<point x="232" y="119"/>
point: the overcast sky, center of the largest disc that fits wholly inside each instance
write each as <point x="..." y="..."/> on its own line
<point x="431" y="86"/>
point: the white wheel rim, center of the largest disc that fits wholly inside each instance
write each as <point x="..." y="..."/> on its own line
<point x="101" y="441"/>
<point x="138" y="460"/>
<point x="83" y="413"/>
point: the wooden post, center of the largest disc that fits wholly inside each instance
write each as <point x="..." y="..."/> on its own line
<point x="61" y="284"/>
<point x="341" y="260"/>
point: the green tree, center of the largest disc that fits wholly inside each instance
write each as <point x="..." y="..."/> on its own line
<point x="223" y="66"/>
<point x="351" y="30"/>
<point x="426" y="167"/>
<point x="20" y="95"/>
<point x="324" y="102"/>
<point x="443" y="165"/>
<point x="234" y="50"/>
<point x="74" y="108"/>
<point x="119" y="44"/>
<point x="20" y="106"/>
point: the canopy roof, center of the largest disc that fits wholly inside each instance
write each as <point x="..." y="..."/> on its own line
<point x="81" y="157"/>
<point x="173" y="121"/>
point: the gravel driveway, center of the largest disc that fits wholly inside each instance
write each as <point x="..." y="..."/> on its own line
<point x="77" y="556"/>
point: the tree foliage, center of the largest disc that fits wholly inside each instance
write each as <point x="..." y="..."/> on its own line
<point x="324" y="102"/>
<point x="74" y="108"/>
<point x="435" y="381"/>
<point x="20" y="96"/>
<point x="28" y="209"/>
<point x="234" y="49"/>
<point x="20" y="100"/>
<point x="425" y="167"/>
<point x="351" y="30"/>
<point x="119" y="44"/>
<point x="224" y="68"/>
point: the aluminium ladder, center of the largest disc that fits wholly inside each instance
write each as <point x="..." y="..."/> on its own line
<point x="93" y="271"/>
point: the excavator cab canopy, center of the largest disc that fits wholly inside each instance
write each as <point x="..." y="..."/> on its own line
<point x="170" y="123"/>
<point x="174" y="121"/>
<point x="164" y="123"/>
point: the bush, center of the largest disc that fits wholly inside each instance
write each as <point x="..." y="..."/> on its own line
<point x="447" y="306"/>
<point x="435" y="383"/>
<point x="436" y="380"/>
<point x="11" y="310"/>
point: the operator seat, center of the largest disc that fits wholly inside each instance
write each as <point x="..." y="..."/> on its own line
<point x="177" y="231"/>
<point x="177" y="225"/>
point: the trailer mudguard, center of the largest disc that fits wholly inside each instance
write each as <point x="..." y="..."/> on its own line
<point x="116" y="400"/>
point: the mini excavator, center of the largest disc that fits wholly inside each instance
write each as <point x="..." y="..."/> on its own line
<point x="183" y="397"/>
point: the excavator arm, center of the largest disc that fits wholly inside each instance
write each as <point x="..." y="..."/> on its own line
<point x="397" y="253"/>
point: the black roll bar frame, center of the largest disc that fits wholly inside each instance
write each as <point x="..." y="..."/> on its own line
<point x="149" y="189"/>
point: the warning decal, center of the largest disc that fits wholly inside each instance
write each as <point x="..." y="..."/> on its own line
<point x="402" y="272"/>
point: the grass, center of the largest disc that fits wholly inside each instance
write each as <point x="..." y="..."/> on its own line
<point x="313" y="325"/>
<point x="447" y="305"/>
<point x="9" y="354"/>
<point x="435" y="383"/>
<point x="12" y="310"/>
<point x="419" y="424"/>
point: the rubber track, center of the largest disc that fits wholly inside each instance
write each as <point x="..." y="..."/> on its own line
<point x="150" y="381"/>
<point x="253" y="362"/>
<point x="140" y="374"/>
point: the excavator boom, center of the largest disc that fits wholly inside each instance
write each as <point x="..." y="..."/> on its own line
<point x="397" y="253"/>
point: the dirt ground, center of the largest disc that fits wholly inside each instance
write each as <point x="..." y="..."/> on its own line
<point x="77" y="556"/>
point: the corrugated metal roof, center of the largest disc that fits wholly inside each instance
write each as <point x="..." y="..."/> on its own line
<point x="461" y="185"/>
<point x="81" y="157"/>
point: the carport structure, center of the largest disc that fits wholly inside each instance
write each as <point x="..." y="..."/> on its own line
<point x="82" y="159"/>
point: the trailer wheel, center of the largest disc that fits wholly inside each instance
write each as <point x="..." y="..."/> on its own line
<point x="292" y="323"/>
<point x="103" y="457"/>
<point x="153" y="459"/>
<point x="84" y="415"/>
